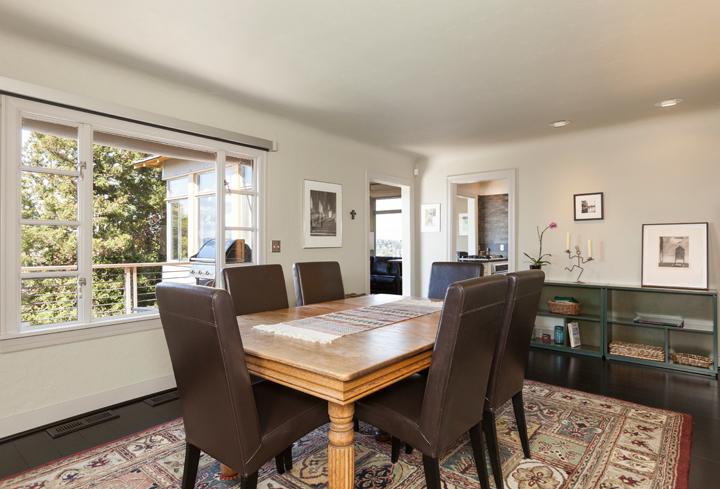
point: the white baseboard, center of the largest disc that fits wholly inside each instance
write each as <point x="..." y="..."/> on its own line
<point x="52" y="414"/>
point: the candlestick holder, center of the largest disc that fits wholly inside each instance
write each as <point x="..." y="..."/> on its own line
<point x="580" y="260"/>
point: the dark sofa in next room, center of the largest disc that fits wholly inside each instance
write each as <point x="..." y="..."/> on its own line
<point x="385" y="276"/>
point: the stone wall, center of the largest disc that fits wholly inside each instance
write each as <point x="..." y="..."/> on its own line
<point x="493" y="223"/>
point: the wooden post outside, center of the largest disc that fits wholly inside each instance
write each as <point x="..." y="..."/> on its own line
<point x="135" y="286"/>
<point x="341" y="450"/>
<point x="128" y="291"/>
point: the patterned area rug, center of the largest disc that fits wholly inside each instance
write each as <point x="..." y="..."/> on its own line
<point x="577" y="440"/>
<point x="327" y="327"/>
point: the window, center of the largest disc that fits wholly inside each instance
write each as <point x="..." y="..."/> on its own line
<point x="388" y="227"/>
<point x="99" y="211"/>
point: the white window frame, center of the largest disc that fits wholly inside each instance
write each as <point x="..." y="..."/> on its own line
<point x="12" y="337"/>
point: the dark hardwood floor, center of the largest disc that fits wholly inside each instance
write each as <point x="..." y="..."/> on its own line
<point x="686" y="393"/>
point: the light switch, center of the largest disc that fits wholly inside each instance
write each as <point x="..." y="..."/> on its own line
<point x="276" y="246"/>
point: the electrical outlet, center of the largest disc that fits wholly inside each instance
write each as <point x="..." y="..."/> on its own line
<point x="502" y="247"/>
<point x="276" y="246"/>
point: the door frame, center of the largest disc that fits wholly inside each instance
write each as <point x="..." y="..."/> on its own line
<point x="408" y="226"/>
<point x="452" y="183"/>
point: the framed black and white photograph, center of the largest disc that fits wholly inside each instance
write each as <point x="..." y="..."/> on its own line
<point x="588" y="207"/>
<point x="430" y="215"/>
<point x="322" y="215"/>
<point x="675" y="255"/>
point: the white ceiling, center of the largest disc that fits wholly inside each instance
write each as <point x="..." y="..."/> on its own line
<point x="422" y="76"/>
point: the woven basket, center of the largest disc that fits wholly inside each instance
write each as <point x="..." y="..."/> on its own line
<point x="564" y="308"/>
<point x="637" y="350"/>
<point x="690" y="359"/>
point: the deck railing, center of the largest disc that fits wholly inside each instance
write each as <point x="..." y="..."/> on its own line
<point x="122" y="288"/>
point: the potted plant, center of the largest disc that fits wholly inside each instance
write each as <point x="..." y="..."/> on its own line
<point x="538" y="262"/>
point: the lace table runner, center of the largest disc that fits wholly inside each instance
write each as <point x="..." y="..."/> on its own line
<point x="325" y="328"/>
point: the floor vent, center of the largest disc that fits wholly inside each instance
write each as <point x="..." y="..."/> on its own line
<point x="162" y="399"/>
<point x="80" y="424"/>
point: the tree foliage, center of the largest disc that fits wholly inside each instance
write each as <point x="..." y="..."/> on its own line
<point x="128" y="225"/>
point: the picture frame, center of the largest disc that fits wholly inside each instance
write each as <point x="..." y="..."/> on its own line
<point x="574" y="334"/>
<point x="463" y="224"/>
<point x="322" y="214"/>
<point x="430" y="218"/>
<point x="588" y="207"/>
<point x="675" y="256"/>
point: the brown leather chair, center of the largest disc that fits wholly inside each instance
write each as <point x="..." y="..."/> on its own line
<point x="510" y="358"/>
<point x="431" y="412"/>
<point x="318" y="281"/>
<point x="256" y="288"/>
<point x="444" y="273"/>
<point x="239" y="424"/>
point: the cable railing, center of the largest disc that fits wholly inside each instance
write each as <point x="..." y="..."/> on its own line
<point x="117" y="289"/>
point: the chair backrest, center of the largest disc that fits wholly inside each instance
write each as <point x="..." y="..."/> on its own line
<point x="208" y="360"/>
<point x="256" y="288"/>
<point x="460" y="365"/>
<point x="513" y="343"/>
<point x="444" y="273"/>
<point x="318" y="281"/>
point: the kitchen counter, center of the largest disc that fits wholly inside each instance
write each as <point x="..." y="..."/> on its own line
<point x="482" y="260"/>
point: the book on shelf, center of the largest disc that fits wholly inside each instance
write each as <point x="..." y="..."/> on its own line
<point x="574" y="334"/>
<point x="658" y="320"/>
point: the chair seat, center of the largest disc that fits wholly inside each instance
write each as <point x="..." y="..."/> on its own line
<point x="277" y="423"/>
<point x="397" y="410"/>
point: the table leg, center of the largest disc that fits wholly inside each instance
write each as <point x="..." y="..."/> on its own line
<point x="341" y="451"/>
<point x="227" y="474"/>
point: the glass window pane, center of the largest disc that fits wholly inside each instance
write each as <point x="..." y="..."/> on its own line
<point x="247" y="240"/>
<point x="388" y="235"/>
<point x="48" y="300"/>
<point x="206" y="219"/>
<point x="49" y="145"/>
<point x="109" y="288"/>
<point x="394" y="204"/>
<point x="49" y="248"/>
<point x="242" y="176"/>
<point x="49" y="197"/>
<point x="206" y="182"/>
<point x="239" y="210"/>
<point x="177" y="186"/>
<point x="178" y="217"/>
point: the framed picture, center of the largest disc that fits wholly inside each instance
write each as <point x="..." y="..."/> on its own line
<point x="574" y="334"/>
<point x="322" y="215"/>
<point x="588" y="207"/>
<point x="463" y="224"/>
<point x="430" y="218"/>
<point x="675" y="255"/>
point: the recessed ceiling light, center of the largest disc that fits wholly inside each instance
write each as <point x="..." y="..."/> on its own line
<point x="560" y="123"/>
<point x="669" y="102"/>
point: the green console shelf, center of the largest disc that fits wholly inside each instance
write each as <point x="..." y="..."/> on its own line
<point x="607" y="315"/>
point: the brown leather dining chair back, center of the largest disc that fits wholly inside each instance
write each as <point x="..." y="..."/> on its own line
<point x="319" y="281"/>
<point x="239" y="424"/>
<point x="444" y="273"/>
<point x="510" y="359"/>
<point x="256" y="288"/>
<point x="431" y="412"/>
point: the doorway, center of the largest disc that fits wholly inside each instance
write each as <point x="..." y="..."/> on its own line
<point x="490" y="221"/>
<point x="389" y="230"/>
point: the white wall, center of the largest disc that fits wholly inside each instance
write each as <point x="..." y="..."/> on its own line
<point x="461" y="207"/>
<point x="662" y="170"/>
<point x="61" y="375"/>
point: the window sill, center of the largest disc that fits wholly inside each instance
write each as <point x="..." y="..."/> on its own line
<point x="59" y="336"/>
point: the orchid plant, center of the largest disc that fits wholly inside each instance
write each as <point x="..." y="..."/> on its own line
<point x="539" y="260"/>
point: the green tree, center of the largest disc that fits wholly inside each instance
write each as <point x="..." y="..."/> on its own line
<point x="128" y="224"/>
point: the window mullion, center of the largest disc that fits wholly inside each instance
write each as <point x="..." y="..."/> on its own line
<point x="85" y="216"/>
<point x="220" y="217"/>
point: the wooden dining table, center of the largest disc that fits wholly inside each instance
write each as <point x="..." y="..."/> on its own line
<point x="341" y="372"/>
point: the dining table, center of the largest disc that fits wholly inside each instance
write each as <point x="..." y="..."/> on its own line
<point x="342" y="371"/>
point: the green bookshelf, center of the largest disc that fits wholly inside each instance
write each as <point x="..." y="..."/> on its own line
<point x="607" y="314"/>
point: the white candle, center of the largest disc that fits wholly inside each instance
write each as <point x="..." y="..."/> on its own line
<point x="589" y="248"/>
<point x="567" y="243"/>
